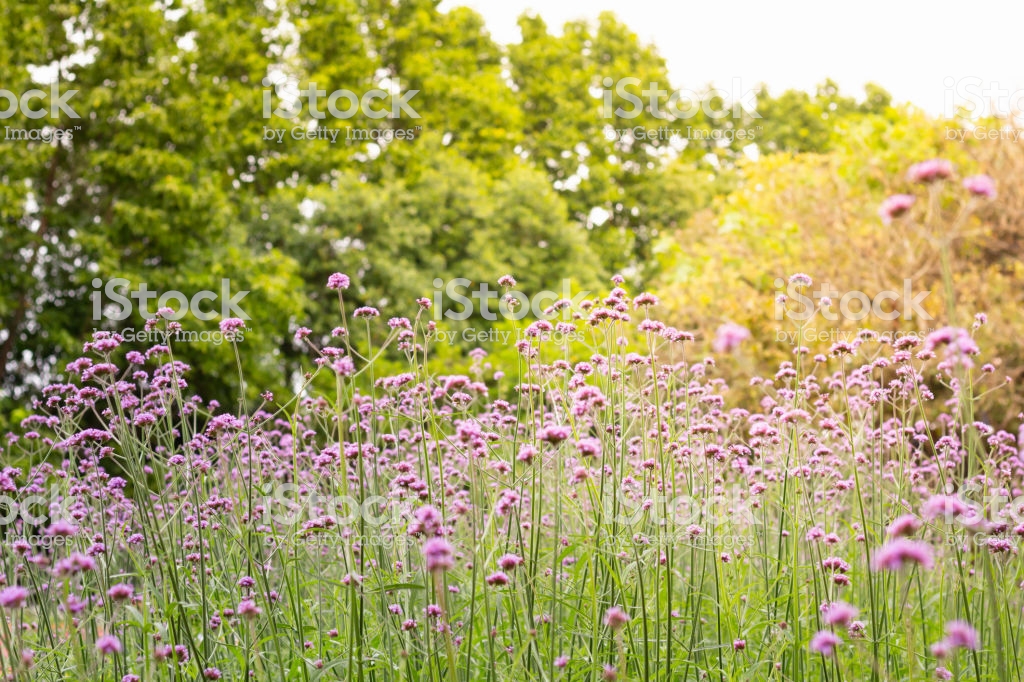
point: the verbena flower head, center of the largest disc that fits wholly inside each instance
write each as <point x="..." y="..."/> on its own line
<point x="930" y="171"/>
<point x="957" y="344"/>
<point x="962" y="635"/>
<point x="895" y="206"/>
<point x="248" y="609"/>
<point x="980" y="186"/>
<point x="108" y="644"/>
<point x="231" y="324"/>
<point x="509" y="561"/>
<point x="946" y="506"/>
<point x="615" y="617"/>
<point x="901" y="552"/>
<point x="729" y="337"/>
<point x="825" y="643"/>
<point x="366" y="312"/>
<point x="61" y="528"/>
<point x="13" y="597"/>
<point x="438" y="555"/>
<point x="498" y="578"/>
<point x="904" y="525"/>
<point x="120" y="592"/>
<point x="338" y="281"/>
<point x="839" y="613"/>
<point x="645" y="300"/>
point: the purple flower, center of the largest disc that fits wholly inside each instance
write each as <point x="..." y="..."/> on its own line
<point x="980" y="186"/>
<point x="959" y="345"/>
<point x="645" y="299"/>
<point x="526" y="453"/>
<point x="366" y="312"/>
<point x="957" y="338"/>
<point x="615" y="617"/>
<point x="231" y="324"/>
<point x="930" y="170"/>
<point x="507" y="281"/>
<point x="729" y="337"/>
<point x="946" y="506"/>
<point x="499" y="578"/>
<point x="839" y="613"/>
<point x="120" y="592"/>
<point x="894" y="555"/>
<point x="509" y="561"/>
<point x="144" y="419"/>
<point x="554" y="434"/>
<point x="338" y="281"/>
<point x="895" y="206"/>
<point x="13" y="597"/>
<point x="108" y="644"/>
<point x="825" y="643"/>
<point x="438" y="554"/>
<point x="427" y="520"/>
<point x="76" y="563"/>
<point x="961" y="635"/>
<point x="344" y="366"/>
<point x="247" y="608"/>
<point x="61" y="528"/>
<point x="903" y="525"/>
<point x="589" y="447"/>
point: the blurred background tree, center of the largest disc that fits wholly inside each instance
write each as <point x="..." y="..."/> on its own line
<point x="818" y="213"/>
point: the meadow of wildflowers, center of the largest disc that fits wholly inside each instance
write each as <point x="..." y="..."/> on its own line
<point x="599" y="510"/>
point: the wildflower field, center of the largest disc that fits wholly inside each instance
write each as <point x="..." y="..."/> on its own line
<point x="341" y="340"/>
<point x="598" y="509"/>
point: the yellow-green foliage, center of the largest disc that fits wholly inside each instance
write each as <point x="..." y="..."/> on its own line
<point x="817" y="213"/>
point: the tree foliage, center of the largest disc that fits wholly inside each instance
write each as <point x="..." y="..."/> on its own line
<point x="173" y="176"/>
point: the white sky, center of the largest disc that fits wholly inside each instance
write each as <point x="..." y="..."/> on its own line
<point x="914" y="49"/>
